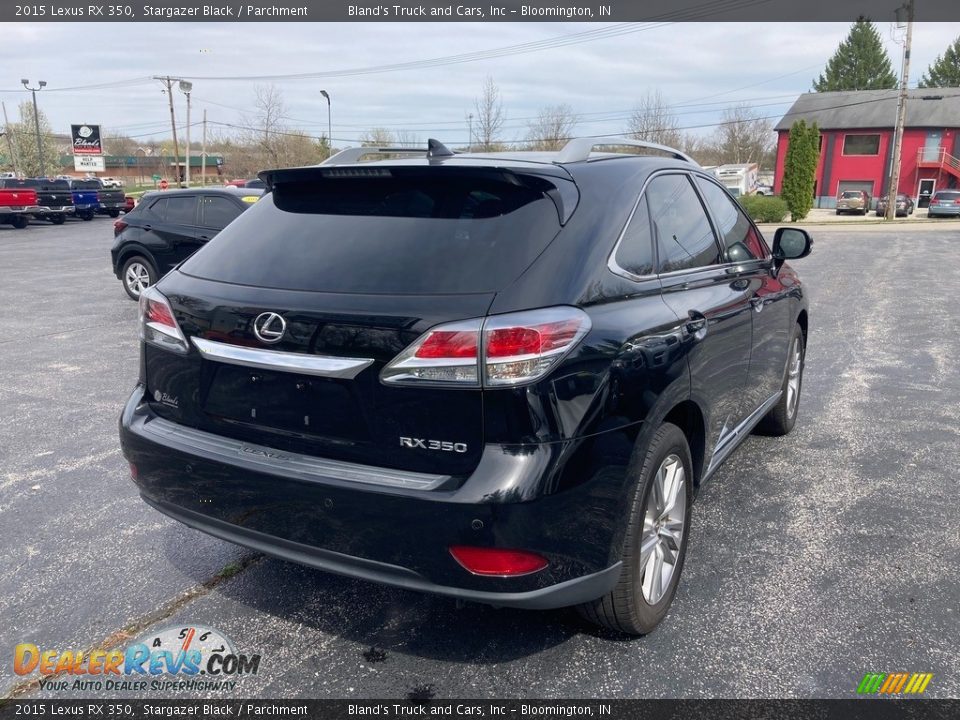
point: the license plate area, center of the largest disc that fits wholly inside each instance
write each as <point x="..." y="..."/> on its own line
<point x="286" y="401"/>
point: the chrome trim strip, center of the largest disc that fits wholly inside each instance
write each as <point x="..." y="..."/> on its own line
<point x="728" y="443"/>
<point x="285" y="464"/>
<point x="319" y="365"/>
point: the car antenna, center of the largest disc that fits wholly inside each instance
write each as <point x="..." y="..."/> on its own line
<point x="435" y="148"/>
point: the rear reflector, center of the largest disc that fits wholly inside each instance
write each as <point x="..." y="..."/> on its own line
<point x="511" y="349"/>
<point x="157" y="323"/>
<point x="133" y="471"/>
<point x="118" y="227"/>
<point x="495" y="561"/>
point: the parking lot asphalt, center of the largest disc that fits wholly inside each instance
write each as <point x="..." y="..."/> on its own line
<point x="814" y="558"/>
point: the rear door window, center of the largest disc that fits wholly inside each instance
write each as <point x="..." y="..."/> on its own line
<point x="683" y="234"/>
<point x="397" y="231"/>
<point x="218" y="212"/>
<point x="176" y="210"/>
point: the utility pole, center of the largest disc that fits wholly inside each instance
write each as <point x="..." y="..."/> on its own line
<point x="894" y="181"/>
<point x="36" y="121"/>
<point x="168" y="81"/>
<point x="186" y="87"/>
<point x="470" y="132"/>
<point x="11" y="143"/>
<point x="203" y="151"/>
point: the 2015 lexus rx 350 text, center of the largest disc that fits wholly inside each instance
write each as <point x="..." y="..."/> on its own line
<point x="496" y="377"/>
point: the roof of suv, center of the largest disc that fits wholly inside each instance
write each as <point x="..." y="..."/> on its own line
<point x="224" y="190"/>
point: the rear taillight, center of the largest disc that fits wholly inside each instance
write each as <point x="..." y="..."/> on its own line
<point x="158" y="326"/>
<point x="500" y="350"/>
<point x="118" y="227"/>
<point x="494" y="561"/>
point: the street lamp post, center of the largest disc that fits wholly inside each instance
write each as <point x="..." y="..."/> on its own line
<point x="329" y="125"/>
<point x="36" y="120"/>
<point x="186" y="87"/>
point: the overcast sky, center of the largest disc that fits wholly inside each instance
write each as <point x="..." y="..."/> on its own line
<point x="701" y="68"/>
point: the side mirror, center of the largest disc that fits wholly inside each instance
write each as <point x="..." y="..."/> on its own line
<point x="791" y="244"/>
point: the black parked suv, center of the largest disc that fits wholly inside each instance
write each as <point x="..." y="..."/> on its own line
<point x="167" y="227"/>
<point x="499" y="378"/>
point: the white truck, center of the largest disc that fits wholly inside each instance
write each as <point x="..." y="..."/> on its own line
<point x="739" y="179"/>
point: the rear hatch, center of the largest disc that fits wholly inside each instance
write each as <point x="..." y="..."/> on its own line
<point x="358" y="263"/>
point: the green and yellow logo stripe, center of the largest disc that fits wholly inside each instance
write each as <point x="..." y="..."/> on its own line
<point x="894" y="683"/>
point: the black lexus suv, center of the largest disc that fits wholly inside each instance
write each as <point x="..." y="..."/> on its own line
<point x="496" y="377"/>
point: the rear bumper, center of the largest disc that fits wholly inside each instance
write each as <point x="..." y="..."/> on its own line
<point x="391" y="526"/>
<point x="56" y="210"/>
<point x="943" y="211"/>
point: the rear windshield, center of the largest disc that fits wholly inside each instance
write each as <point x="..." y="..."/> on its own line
<point x="947" y="195"/>
<point x="852" y="194"/>
<point x="404" y="234"/>
<point x="54" y="185"/>
<point x="86" y="185"/>
<point x="15" y="183"/>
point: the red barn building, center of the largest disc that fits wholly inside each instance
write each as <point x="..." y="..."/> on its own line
<point x="856" y="142"/>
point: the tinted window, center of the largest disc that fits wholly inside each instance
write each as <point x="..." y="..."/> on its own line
<point x="55" y="185"/>
<point x="635" y="252"/>
<point x="852" y="194"/>
<point x="217" y="212"/>
<point x="947" y="196"/>
<point x="409" y="233"/>
<point x="739" y="237"/>
<point x="683" y="233"/>
<point x="180" y="210"/>
<point x="85" y="184"/>
<point x="15" y="183"/>
<point x="861" y="144"/>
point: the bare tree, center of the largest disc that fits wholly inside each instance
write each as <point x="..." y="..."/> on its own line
<point x="490" y="116"/>
<point x="407" y="139"/>
<point x="744" y="136"/>
<point x="377" y="137"/>
<point x="652" y="121"/>
<point x="552" y="128"/>
<point x="267" y="125"/>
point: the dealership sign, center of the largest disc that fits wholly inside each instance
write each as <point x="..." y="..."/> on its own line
<point x="89" y="163"/>
<point x="86" y="139"/>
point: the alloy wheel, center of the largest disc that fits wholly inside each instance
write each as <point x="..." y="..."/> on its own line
<point x="137" y="278"/>
<point x="793" y="378"/>
<point x="663" y="529"/>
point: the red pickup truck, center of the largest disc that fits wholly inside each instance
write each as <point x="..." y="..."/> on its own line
<point x="16" y="205"/>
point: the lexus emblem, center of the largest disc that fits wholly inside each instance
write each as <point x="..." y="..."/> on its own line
<point x="269" y="327"/>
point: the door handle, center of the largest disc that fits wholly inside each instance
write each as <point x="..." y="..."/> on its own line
<point x="148" y="227"/>
<point x="696" y="326"/>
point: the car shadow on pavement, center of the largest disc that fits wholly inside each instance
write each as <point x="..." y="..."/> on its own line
<point x="303" y="601"/>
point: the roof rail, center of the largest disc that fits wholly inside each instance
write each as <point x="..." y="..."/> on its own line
<point x="434" y="149"/>
<point x="579" y="149"/>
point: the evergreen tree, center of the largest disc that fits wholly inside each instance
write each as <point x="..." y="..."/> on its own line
<point x="800" y="169"/>
<point x="26" y="141"/>
<point x="860" y="63"/>
<point x="945" y="71"/>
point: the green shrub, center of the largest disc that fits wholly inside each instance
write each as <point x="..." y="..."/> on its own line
<point x="763" y="208"/>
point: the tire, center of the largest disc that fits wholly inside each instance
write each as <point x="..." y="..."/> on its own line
<point x="137" y="275"/>
<point x="86" y="216"/>
<point x="783" y="416"/>
<point x="113" y="212"/>
<point x="20" y="222"/>
<point x="636" y="605"/>
<point x="58" y="219"/>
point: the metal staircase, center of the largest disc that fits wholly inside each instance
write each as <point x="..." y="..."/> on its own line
<point x="939" y="159"/>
